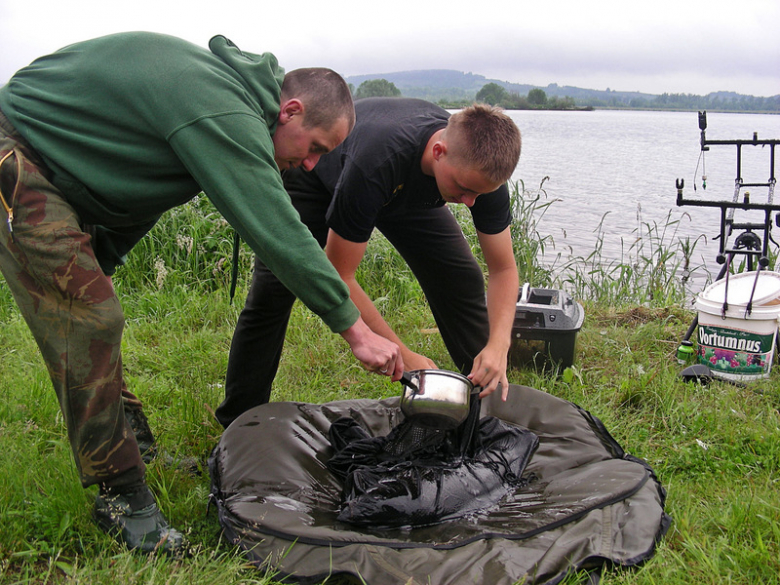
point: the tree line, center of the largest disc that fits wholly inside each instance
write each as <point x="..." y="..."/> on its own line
<point x="491" y="93"/>
<point x="497" y="95"/>
<point x="714" y="102"/>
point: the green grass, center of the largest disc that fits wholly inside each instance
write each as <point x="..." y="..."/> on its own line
<point x="716" y="448"/>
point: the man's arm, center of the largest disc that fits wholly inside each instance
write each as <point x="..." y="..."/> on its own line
<point x="252" y="198"/>
<point x="345" y="257"/>
<point x="491" y="364"/>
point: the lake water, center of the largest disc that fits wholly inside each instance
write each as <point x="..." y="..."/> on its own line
<point x="617" y="170"/>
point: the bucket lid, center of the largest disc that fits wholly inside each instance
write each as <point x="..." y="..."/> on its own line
<point x="740" y="289"/>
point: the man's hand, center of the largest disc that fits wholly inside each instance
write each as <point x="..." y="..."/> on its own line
<point x="416" y="361"/>
<point x="376" y="353"/>
<point x="489" y="370"/>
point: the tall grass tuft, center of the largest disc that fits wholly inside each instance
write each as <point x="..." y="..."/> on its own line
<point x="529" y="245"/>
<point x="653" y="268"/>
<point x="191" y="245"/>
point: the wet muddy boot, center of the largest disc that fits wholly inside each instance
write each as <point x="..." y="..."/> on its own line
<point x="143" y="433"/>
<point x="130" y="514"/>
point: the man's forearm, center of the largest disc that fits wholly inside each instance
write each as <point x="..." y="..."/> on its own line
<point x="370" y="313"/>
<point x="501" y="303"/>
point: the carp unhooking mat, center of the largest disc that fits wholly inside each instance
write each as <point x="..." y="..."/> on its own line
<point x="585" y="503"/>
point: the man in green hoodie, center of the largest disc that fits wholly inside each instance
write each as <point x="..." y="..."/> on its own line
<point x="98" y="140"/>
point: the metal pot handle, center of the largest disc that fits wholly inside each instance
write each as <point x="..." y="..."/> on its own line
<point x="406" y="380"/>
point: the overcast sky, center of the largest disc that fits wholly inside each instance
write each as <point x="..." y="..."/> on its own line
<point x="655" y="46"/>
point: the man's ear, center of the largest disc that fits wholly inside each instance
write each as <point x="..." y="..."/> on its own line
<point x="439" y="149"/>
<point x="289" y="109"/>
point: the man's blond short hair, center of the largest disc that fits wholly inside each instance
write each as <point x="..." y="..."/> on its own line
<point x="325" y="96"/>
<point x="484" y="138"/>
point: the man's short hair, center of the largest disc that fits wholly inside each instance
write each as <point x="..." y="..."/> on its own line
<point x="483" y="137"/>
<point x="324" y="93"/>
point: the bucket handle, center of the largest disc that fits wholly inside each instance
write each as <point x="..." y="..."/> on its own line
<point x="726" y="289"/>
<point x="749" y="306"/>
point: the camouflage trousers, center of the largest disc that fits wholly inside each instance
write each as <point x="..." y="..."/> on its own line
<point x="70" y="306"/>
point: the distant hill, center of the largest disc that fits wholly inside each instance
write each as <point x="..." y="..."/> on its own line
<point x="447" y="85"/>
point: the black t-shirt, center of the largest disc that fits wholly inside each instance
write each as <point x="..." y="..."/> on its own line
<point x="379" y="165"/>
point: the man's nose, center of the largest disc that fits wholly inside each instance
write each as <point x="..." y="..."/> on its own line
<point x="310" y="161"/>
<point x="468" y="200"/>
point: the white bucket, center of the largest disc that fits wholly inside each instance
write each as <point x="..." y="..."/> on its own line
<point x="736" y="344"/>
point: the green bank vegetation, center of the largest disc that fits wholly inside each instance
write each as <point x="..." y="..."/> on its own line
<point x="536" y="99"/>
<point x="492" y="93"/>
<point x="715" y="448"/>
<point x="452" y="90"/>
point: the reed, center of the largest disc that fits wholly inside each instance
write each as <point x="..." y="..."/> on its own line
<point x="654" y="267"/>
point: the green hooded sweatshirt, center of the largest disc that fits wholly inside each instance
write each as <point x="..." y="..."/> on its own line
<point x="134" y="124"/>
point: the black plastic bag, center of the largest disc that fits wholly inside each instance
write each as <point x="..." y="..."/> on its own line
<point x="416" y="476"/>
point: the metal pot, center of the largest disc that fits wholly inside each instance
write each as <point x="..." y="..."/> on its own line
<point x="436" y="398"/>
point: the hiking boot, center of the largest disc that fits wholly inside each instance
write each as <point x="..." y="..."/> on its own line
<point x="131" y="515"/>
<point x="143" y="433"/>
